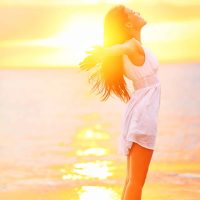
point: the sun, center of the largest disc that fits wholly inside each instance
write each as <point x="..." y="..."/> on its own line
<point x="77" y="36"/>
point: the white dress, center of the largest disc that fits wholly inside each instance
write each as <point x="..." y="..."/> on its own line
<point x="139" y="119"/>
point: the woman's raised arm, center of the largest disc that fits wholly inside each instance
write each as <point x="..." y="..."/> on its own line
<point x="128" y="47"/>
<point x="99" y="53"/>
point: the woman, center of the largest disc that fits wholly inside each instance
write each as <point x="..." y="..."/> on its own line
<point x="124" y="55"/>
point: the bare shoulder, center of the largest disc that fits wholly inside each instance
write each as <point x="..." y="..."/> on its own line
<point x="135" y="51"/>
<point x="132" y="45"/>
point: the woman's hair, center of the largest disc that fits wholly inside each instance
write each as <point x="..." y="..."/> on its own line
<point x="108" y="75"/>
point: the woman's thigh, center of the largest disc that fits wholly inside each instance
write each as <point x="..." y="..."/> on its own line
<point x="139" y="159"/>
<point x="127" y="168"/>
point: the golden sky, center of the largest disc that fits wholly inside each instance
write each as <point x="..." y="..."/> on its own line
<point x="56" y="33"/>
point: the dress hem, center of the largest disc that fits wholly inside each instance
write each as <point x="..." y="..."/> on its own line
<point x="125" y="148"/>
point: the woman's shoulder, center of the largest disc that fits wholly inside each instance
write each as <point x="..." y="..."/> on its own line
<point x="134" y="43"/>
<point x="138" y="55"/>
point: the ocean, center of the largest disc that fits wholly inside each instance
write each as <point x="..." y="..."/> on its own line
<point x="58" y="141"/>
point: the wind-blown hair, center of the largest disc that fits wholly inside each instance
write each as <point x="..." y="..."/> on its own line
<point x="107" y="76"/>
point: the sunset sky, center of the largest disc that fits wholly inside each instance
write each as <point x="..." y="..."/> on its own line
<point x="56" y="33"/>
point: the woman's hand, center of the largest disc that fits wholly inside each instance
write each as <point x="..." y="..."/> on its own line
<point x="95" y="57"/>
<point x="97" y="52"/>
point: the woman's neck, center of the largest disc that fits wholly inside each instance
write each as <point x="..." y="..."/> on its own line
<point x="137" y="36"/>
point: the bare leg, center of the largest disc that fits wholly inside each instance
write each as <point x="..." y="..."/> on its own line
<point x="127" y="178"/>
<point x="140" y="158"/>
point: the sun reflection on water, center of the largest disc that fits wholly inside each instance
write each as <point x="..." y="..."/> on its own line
<point x="92" y="134"/>
<point x="97" y="169"/>
<point x="92" y="151"/>
<point x="89" y="170"/>
<point x="97" y="193"/>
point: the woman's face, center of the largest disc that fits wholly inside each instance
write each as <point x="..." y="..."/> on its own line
<point x="135" y="22"/>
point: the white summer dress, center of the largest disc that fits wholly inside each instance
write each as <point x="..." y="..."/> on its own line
<point x="139" y="119"/>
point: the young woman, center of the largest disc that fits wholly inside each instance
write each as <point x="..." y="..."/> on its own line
<point x="124" y="55"/>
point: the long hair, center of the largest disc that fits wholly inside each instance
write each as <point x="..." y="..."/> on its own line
<point x="107" y="77"/>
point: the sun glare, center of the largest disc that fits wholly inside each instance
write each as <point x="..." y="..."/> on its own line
<point x="79" y="34"/>
<point x="80" y="29"/>
<point x="99" y="192"/>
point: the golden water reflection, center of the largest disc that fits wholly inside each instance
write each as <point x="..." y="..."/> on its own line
<point x="91" y="141"/>
<point x="92" y="151"/>
<point x="97" y="193"/>
<point x="93" y="133"/>
<point x="88" y="170"/>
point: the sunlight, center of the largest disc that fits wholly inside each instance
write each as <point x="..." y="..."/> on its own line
<point x="88" y="170"/>
<point x="79" y="34"/>
<point x="76" y="34"/>
<point x="100" y="193"/>
<point x="71" y="177"/>
<point x="67" y="34"/>
<point x="97" y="169"/>
<point x="92" y="151"/>
<point x="171" y="31"/>
<point x="93" y="134"/>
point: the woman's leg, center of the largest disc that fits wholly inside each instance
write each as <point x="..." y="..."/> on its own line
<point x="140" y="158"/>
<point x="127" y="178"/>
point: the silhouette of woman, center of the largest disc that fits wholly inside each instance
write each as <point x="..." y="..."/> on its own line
<point x="123" y="54"/>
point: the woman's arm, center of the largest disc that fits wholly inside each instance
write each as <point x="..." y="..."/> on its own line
<point x="115" y="50"/>
<point x="99" y="53"/>
<point x="129" y="48"/>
